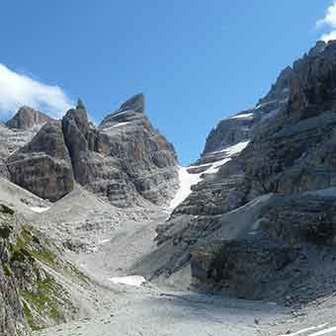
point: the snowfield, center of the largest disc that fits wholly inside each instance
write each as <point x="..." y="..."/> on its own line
<point x="132" y="280"/>
<point x="186" y="182"/>
<point x="243" y="116"/>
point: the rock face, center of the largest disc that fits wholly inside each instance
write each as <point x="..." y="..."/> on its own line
<point x="124" y="160"/>
<point x="12" y="320"/>
<point x="290" y="153"/>
<point x="43" y="165"/>
<point x="142" y="153"/>
<point x="27" y="118"/>
<point x="244" y="125"/>
<point x="34" y="286"/>
<point x="81" y="139"/>
<point x="17" y="132"/>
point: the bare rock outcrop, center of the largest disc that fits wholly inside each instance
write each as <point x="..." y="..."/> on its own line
<point x="290" y="153"/>
<point x="43" y="165"/>
<point x="27" y="118"/>
<point x="147" y="158"/>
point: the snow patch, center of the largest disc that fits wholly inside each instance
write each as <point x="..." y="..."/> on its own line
<point x="39" y="209"/>
<point x="121" y="124"/>
<point x="243" y="116"/>
<point x="116" y="125"/>
<point x="325" y="332"/>
<point x="265" y="104"/>
<point x="235" y="149"/>
<point x="303" y="331"/>
<point x="121" y="112"/>
<point x="132" y="280"/>
<point x="104" y="241"/>
<point x="186" y="180"/>
<point x="216" y="165"/>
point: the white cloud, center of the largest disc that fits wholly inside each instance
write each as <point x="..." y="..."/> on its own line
<point x="328" y="21"/>
<point x="19" y="89"/>
<point x="329" y="36"/>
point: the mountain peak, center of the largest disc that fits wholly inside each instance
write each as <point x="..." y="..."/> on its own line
<point x="135" y="103"/>
<point x="26" y="118"/>
<point x="80" y="104"/>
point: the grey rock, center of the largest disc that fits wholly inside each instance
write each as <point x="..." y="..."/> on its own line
<point x="81" y="138"/>
<point x="27" y="118"/>
<point x="243" y="268"/>
<point x="43" y="166"/>
<point x="291" y="152"/>
<point x="125" y="160"/>
<point x="144" y="154"/>
<point x="34" y="289"/>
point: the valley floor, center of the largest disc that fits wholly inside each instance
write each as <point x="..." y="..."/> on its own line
<point x="130" y="307"/>
<point x="149" y="312"/>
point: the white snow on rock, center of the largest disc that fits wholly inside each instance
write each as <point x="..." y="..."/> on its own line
<point x="235" y="149"/>
<point x="39" y="209"/>
<point x="186" y="181"/>
<point x="243" y="116"/>
<point x="132" y="280"/>
<point x="229" y="151"/>
<point x="216" y="165"/>
<point x="116" y="125"/>
<point x="304" y="331"/>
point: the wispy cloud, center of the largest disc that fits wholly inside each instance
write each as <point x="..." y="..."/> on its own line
<point x="19" y="89"/>
<point x="329" y="22"/>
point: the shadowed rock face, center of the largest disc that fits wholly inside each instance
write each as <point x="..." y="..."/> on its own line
<point x="43" y="166"/>
<point x="26" y="118"/>
<point x="81" y="139"/>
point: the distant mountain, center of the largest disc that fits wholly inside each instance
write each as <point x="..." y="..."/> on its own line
<point x="27" y="118"/>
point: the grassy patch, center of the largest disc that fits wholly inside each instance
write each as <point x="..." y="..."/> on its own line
<point x="43" y="302"/>
<point x="7" y="270"/>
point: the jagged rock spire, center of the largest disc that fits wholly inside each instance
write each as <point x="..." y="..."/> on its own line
<point x="135" y="103"/>
<point x="80" y="104"/>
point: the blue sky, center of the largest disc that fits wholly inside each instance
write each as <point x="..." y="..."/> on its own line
<point x="196" y="61"/>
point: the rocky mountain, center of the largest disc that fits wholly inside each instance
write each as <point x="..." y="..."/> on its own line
<point x="43" y="165"/>
<point x="125" y="160"/>
<point x="253" y="218"/>
<point x="143" y="154"/>
<point x="256" y="223"/>
<point x="18" y="131"/>
<point x="27" y="118"/>
<point x="128" y="164"/>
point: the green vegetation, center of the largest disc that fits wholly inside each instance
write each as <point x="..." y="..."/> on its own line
<point x="7" y="270"/>
<point x="43" y="301"/>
